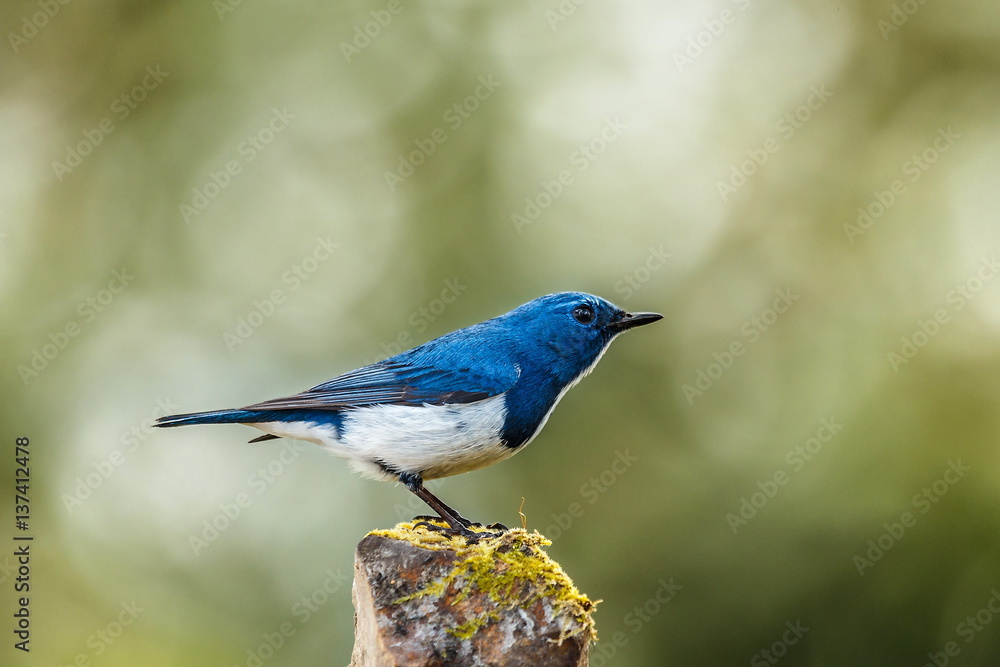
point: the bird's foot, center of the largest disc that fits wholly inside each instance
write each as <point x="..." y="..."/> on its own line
<point x="424" y="518"/>
<point x="471" y="536"/>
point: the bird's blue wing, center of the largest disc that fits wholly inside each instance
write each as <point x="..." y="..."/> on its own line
<point x="408" y="379"/>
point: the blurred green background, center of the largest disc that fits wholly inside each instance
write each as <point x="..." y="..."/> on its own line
<point x="208" y="204"/>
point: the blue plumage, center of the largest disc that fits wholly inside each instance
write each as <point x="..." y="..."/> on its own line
<point x="457" y="403"/>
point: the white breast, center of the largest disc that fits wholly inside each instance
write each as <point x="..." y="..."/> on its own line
<point x="434" y="440"/>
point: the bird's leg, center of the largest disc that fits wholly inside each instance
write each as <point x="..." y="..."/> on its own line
<point x="443" y="509"/>
<point x="465" y="522"/>
<point x="456" y="522"/>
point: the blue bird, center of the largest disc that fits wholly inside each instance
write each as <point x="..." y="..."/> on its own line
<point x="460" y="402"/>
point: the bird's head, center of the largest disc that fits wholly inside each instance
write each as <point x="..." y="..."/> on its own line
<point x="569" y="331"/>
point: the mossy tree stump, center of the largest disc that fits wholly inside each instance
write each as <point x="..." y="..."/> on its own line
<point x="422" y="598"/>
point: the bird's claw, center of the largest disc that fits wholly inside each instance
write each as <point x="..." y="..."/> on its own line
<point x="470" y="536"/>
<point x="427" y="518"/>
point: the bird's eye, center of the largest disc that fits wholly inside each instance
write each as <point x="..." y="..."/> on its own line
<point x="583" y="314"/>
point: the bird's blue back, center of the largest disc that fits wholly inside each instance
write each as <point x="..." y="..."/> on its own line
<point x="533" y="352"/>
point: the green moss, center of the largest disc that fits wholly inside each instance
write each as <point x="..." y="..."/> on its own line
<point x="471" y="627"/>
<point x="512" y="570"/>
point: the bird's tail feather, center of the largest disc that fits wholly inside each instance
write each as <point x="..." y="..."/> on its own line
<point x="212" y="417"/>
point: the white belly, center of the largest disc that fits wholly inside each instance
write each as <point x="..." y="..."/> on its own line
<point x="435" y="440"/>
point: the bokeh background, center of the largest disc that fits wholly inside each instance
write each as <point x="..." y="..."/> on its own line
<point x="207" y="204"/>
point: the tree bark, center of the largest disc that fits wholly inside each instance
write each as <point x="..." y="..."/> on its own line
<point x="422" y="598"/>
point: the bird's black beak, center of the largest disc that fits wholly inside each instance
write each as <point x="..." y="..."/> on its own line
<point x="630" y="320"/>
